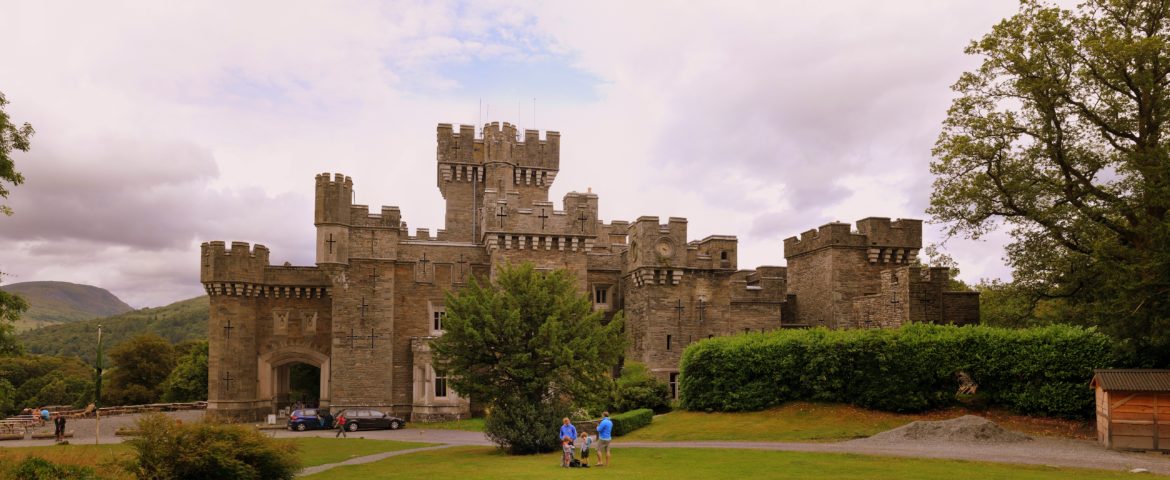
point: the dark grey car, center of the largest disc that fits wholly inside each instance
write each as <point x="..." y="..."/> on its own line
<point x="367" y="419"/>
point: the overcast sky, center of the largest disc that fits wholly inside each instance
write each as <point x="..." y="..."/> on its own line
<point x="161" y="125"/>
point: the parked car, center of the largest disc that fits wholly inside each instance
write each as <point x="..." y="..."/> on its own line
<point x="309" y="419"/>
<point x="364" y="419"/>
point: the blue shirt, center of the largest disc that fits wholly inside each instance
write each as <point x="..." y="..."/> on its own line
<point x="604" y="429"/>
<point x="568" y="431"/>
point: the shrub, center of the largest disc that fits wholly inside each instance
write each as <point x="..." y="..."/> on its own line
<point x="1036" y="371"/>
<point x="168" y="450"/>
<point x="524" y="427"/>
<point x="36" y="468"/>
<point x="637" y="388"/>
<point x="627" y="422"/>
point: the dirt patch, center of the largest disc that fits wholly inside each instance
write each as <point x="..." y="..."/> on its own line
<point x="965" y="429"/>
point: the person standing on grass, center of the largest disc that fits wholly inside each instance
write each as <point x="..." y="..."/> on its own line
<point x="340" y="426"/>
<point x="584" y="442"/>
<point x="604" y="435"/>
<point x="59" y="427"/>
<point x="568" y="430"/>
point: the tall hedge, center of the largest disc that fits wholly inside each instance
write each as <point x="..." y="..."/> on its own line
<point x="1043" y="370"/>
<point x="627" y="422"/>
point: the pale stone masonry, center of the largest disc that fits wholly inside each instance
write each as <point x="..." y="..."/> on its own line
<point x="365" y="314"/>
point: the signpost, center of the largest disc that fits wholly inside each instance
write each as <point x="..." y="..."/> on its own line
<point x="97" y="396"/>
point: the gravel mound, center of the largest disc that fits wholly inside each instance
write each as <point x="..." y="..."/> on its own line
<point x="965" y="429"/>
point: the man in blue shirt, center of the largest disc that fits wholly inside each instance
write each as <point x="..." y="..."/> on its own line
<point x="604" y="435"/>
<point x="568" y="430"/>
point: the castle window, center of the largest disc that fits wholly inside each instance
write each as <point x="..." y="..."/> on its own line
<point x="674" y="385"/>
<point x="668" y="342"/>
<point x="724" y="259"/>
<point x="440" y="384"/>
<point x="600" y="294"/>
<point x="437" y="321"/>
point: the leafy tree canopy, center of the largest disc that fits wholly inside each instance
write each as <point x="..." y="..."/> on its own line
<point x="141" y="365"/>
<point x="12" y="137"/>
<point x="1060" y="136"/>
<point x="188" y="381"/>
<point x="528" y="346"/>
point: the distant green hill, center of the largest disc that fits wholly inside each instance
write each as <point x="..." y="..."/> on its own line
<point x="63" y="302"/>
<point x="177" y="322"/>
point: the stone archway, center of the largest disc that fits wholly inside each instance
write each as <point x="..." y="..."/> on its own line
<point x="274" y="373"/>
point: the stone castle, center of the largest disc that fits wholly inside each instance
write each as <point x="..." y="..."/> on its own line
<point x="364" y="315"/>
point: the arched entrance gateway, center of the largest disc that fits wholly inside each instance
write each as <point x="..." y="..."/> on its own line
<point x="285" y="378"/>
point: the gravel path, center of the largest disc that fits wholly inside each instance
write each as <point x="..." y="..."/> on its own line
<point x="83" y="429"/>
<point x="366" y="459"/>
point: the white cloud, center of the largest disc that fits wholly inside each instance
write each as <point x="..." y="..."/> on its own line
<point x="163" y="125"/>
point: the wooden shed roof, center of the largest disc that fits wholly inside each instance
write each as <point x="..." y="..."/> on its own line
<point x="1136" y="380"/>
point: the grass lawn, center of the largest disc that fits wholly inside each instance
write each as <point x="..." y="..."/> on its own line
<point x="792" y="422"/>
<point x="468" y="424"/>
<point x="319" y="451"/>
<point x="818" y="422"/>
<point x="103" y="458"/>
<point x="649" y="464"/>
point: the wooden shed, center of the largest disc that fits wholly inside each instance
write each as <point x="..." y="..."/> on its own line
<point x="1133" y="409"/>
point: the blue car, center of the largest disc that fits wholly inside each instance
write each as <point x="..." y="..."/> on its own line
<point x="309" y="419"/>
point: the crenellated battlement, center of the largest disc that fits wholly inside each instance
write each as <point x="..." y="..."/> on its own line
<point x="240" y="263"/>
<point x="897" y="241"/>
<point x="500" y="142"/>
<point x="334" y="196"/>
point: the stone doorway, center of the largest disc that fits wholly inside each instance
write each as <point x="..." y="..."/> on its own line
<point x="294" y="374"/>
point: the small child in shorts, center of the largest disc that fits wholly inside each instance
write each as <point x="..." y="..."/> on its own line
<point x="585" y="442"/>
<point x="567" y="451"/>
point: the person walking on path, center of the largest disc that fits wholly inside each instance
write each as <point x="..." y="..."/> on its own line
<point x="340" y="426"/>
<point x="59" y="427"/>
<point x="604" y="435"/>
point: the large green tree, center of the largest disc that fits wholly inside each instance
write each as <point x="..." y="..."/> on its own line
<point x="1060" y="136"/>
<point x="141" y="365"/>
<point x="12" y="137"/>
<point x="188" y="381"/>
<point x="528" y="346"/>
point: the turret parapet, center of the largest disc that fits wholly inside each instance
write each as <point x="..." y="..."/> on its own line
<point x="333" y="199"/>
<point x="885" y="241"/>
<point x="242" y="263"/>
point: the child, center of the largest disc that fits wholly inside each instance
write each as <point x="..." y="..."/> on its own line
<point x="586" y="441"/>
<point x="567" y="451"/>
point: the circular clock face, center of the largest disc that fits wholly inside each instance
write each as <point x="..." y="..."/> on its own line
<point x="664" y="248"/>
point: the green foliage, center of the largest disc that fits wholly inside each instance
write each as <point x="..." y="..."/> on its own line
<point x="36" y="468"/>
<point x="1060" y="135"/>
<point x="636" y="388"/>
<point x="528" y="346"/>
<point x="12" y="306"/>
<point x="141" y="364"/>
<point x="178" y="322"/>
<point x="627" y="422"/>
<point x="167" y="450"/>
<point x="12" y="137"/>
<point x="43" y="380"/>
<point x="188" y="381"/>
<point x="1041" y="371"/>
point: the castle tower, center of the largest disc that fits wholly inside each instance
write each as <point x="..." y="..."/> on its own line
<point x="478" y="176"/>
<point x="830" y="266"/>
<point x="232" y="279"/>
<point x="334" y="197"/>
